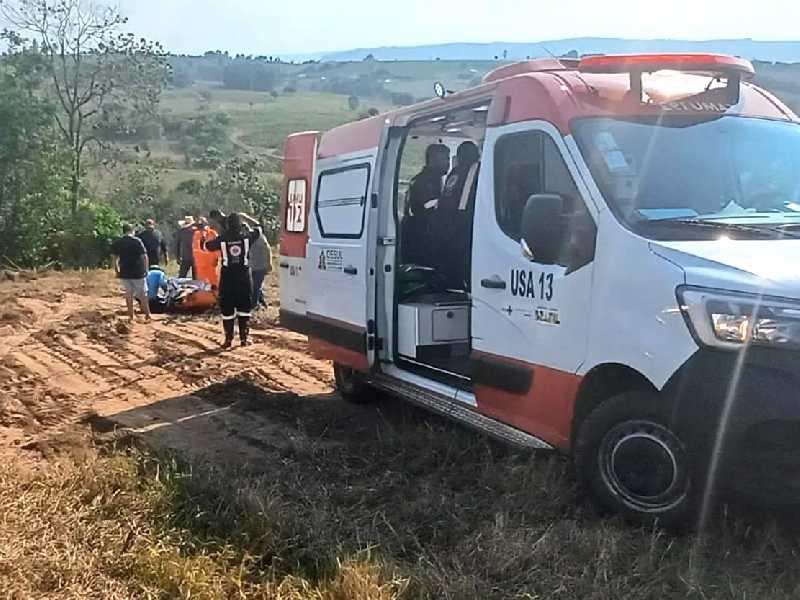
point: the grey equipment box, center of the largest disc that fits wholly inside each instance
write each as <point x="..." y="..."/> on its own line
<point x="435" y="324"/>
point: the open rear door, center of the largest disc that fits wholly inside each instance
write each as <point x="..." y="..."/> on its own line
<point x="342" y="245"/>
<point x="299" y="158"/>
<point x="340" y="263"/>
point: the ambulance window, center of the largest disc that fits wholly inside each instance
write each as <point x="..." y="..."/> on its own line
<point x="525" y="164"/>
<point x="296" y="206"/>
<point x="341" y="199"/>
<point x="530" y="163"/>
<point x="518" y="173"/>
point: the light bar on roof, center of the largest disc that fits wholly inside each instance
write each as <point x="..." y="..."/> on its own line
<point x="648" y="63"/>
<point x="715" y="65"/>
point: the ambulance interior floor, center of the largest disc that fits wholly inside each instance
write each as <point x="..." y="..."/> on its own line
<point x="452" y="359"/>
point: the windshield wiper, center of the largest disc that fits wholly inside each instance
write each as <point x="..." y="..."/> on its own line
<point x="714" y="224"/>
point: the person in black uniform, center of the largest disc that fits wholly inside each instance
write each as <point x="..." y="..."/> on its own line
<point x="454" y="217"/>
<point x="236" y="284"/>
<point x="423" y="197"/>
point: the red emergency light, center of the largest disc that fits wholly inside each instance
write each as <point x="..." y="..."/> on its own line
<point x="730" y="67"/>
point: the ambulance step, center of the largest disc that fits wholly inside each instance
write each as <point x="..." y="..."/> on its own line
<point x="455" y="410"/>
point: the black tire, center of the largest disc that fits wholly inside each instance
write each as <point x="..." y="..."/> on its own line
<point x="351" y="385"/>
<point x="631" y="461"/>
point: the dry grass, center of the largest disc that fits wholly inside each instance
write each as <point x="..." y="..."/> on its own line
<point x="369" y="503"/>
<point x="103" y="529"/>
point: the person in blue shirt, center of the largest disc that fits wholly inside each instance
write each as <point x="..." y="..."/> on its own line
<point x="157" y="289"/>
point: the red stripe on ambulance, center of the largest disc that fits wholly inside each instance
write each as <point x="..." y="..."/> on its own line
<point x="544" y="410"/>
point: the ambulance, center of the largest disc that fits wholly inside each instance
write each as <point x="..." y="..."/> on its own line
<point x="626" y="289"/>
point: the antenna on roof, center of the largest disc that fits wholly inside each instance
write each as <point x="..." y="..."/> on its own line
<point x="546" y="49"/>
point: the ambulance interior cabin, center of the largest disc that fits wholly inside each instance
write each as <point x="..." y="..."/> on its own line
<point x="436" y="189"/>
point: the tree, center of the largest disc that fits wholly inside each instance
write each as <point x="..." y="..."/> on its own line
<point x="353" y="102"/>
<point x="241" y="184"/>
<point x="253" y="75"/>
<point x="34" y="169"/>
<point x="138" y="193"/>
<point x="96" y="74"/>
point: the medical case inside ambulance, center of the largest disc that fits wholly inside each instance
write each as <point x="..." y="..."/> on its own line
<point x="432" y="320"/>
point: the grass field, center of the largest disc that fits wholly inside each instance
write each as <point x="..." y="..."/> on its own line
<point x="387" y="502"/>
<point x="268" y="127"/>
<point x="261" y="121"/>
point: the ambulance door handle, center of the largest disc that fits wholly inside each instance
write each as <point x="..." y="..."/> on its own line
<point x="495" y="283"/>
<point x="284" y="265"/>
<point x="351" y="270"/>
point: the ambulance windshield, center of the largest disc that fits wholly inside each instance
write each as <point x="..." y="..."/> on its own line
<point x="674" y="177"/>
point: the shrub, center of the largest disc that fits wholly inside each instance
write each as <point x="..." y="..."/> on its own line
<point x="87" y="235"/>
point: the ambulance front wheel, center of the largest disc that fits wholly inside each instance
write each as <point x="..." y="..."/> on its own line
<point x="351" y="385"/>
<point x="631" y="462"/>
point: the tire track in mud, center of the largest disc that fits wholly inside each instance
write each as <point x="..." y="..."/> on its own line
<point x="286" y="365"/>
<point x="78" y="356"/>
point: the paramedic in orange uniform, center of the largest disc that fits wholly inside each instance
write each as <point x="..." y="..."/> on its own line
<point x="236" y="284"/>
<point x="206" y="262"/>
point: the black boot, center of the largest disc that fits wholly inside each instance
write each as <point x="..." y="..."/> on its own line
<point x="228" y="325"/>
<point x="244" y="330"/>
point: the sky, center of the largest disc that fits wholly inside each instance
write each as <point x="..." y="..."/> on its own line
<point x="285" y="27"/>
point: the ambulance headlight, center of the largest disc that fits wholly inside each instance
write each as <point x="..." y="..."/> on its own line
<point x="729" y="320"/>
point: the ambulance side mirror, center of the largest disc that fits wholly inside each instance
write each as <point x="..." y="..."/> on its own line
<point x="542" y="228"/>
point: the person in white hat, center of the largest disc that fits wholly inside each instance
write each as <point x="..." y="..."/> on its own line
<point x="184" y="253"/>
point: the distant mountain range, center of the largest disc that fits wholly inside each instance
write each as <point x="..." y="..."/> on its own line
<point x="772" y="51"/>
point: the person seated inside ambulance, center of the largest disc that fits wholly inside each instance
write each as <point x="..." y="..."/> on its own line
<point x="423" y="198"/>
<point x="453" y="227"/>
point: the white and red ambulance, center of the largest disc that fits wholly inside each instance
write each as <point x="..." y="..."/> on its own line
<point x="632" y="290"/>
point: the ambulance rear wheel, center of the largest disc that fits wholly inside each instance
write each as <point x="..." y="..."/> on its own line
<point x="351" y="385"/>
<point x="631" y="462"/>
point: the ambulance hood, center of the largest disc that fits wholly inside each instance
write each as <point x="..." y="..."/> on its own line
<point x="771" y="267"/>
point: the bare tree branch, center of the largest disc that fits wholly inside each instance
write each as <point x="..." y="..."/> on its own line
<point x="94" y="69"/>
<point x="88" y="140"/>
<point x="61" y="127"/>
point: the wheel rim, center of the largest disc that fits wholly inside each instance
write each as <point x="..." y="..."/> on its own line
<point x="644" y="464"/>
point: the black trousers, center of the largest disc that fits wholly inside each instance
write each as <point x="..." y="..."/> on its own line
<point x="185" y="268"/>
<point x="235" y="294"/>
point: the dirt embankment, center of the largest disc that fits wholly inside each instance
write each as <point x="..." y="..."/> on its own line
<point x="69" y="355"/>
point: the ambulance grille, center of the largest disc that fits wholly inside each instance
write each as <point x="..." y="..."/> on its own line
<point x="459" y="412"/>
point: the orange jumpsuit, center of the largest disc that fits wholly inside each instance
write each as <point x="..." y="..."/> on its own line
<point x="206" y="262"/>
<point x="206" y="268"/>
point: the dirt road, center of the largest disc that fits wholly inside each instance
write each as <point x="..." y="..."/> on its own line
<point x="69" y="356"/>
